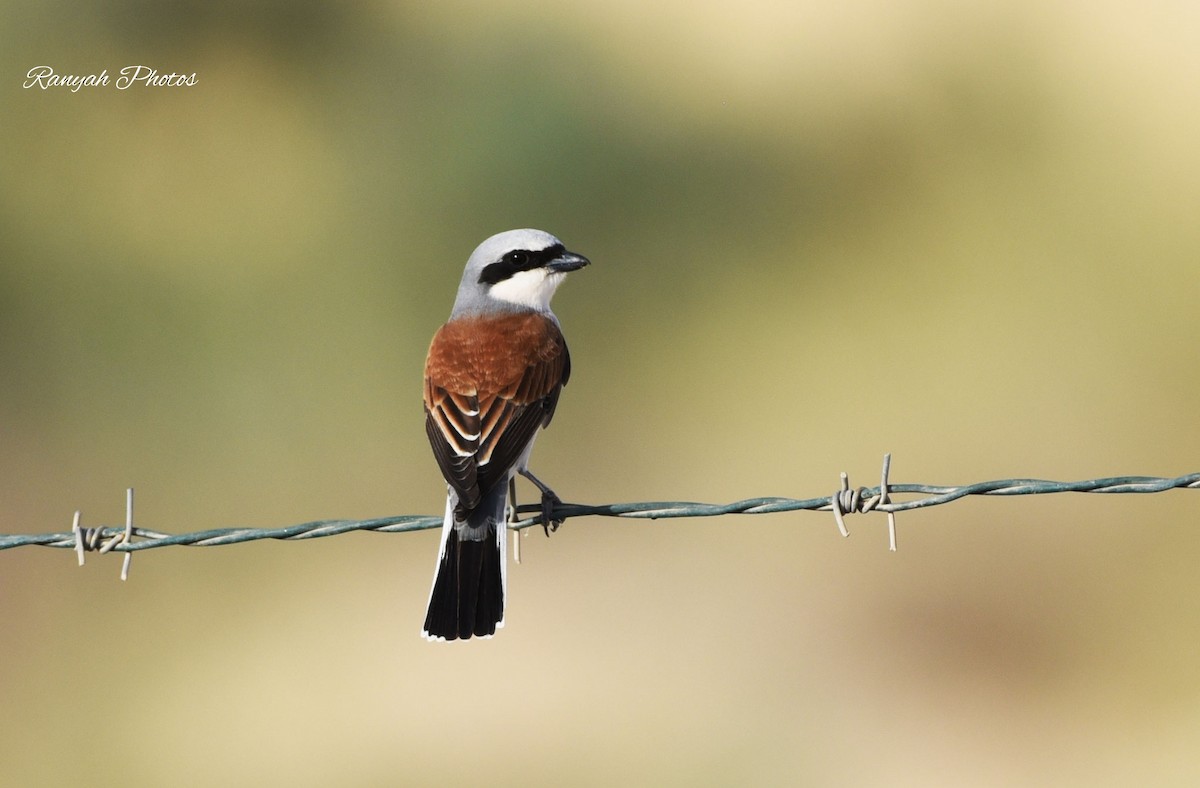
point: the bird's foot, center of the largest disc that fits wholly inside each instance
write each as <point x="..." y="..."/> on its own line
<point x="549" y="501"/>
<point x="510" y="505"/>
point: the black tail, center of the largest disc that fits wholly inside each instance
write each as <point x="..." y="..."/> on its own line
<point x="468" y="590"/>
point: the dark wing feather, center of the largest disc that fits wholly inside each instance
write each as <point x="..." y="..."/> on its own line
<point x="452" y="432"/>
<point x="519" y="429"/>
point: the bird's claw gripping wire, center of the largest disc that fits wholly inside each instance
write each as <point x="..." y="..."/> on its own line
<point x="549" y="502"/>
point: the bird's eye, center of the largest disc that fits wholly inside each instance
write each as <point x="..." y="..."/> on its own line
<point x="517" y="258"/>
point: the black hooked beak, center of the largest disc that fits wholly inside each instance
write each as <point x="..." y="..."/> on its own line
<point x="568" y="261"/>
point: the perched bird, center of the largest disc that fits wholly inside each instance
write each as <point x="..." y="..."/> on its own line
<point x="492" y="379"/>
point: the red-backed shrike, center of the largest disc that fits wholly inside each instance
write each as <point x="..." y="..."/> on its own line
<point x="492" y="379"/>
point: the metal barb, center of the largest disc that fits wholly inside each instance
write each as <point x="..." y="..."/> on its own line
<point x="510" y="518"/>
<point x="93" y="539"/>
<point x="128" y="559"/>
<point x="836" y="503"/>
<point x="79" y="548"/>
<point x="860" y="501"/>
<point x="883" y="499"/>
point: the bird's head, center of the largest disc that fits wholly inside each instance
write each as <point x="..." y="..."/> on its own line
<point x="518" y="269"/>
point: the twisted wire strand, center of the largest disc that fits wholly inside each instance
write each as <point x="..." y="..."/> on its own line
<point x="844" y="501"/>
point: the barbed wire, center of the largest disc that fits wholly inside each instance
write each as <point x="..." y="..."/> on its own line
<point x="844" y="501"/>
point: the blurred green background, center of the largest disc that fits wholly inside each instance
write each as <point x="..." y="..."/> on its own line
<point x="963" y="233"/>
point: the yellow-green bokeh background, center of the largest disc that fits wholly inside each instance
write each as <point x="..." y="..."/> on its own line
<point x="963" y="233"/>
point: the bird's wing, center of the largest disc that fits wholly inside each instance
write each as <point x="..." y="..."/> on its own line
<point x="490" y="383"/>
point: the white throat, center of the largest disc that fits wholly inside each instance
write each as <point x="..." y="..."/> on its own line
<point x="531" y="289"/>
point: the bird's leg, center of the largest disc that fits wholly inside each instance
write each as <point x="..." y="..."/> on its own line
<point x="510" y="508"/>
<point x="549" y="501"/>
